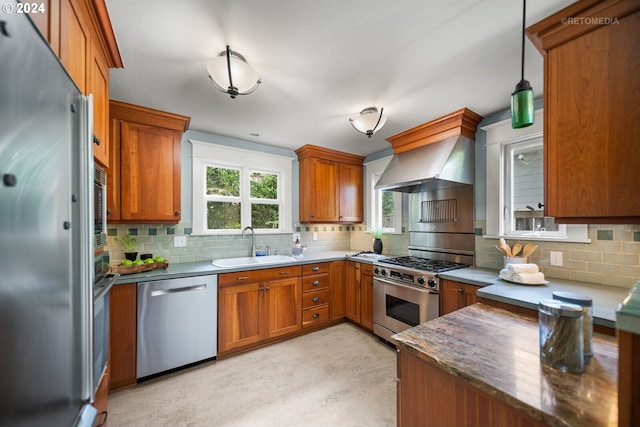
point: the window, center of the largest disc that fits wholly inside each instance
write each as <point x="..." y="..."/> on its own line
<point x="235" y="188"/>
<point x="385" y="207"/>
<point x="515" y="186"/>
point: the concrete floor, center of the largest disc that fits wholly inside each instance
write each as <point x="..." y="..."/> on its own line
<point x="338" y="377"/>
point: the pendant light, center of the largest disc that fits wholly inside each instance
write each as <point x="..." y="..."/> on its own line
<point x="231" y="73"/>
<point x="522" y="114"/>
<point x="369" y="121"/>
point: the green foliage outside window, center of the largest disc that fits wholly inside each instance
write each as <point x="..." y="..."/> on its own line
<point x="223" y="181"/>
<point x="388" y="208"/>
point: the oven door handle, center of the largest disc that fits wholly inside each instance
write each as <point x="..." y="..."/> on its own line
<point x="111" y="280"/>
<point x="391" y="282"/>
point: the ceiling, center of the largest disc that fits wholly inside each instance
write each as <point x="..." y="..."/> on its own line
<point x="322" y="62"/>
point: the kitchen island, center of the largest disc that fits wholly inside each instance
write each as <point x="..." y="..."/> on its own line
<point x="480" y="366"/>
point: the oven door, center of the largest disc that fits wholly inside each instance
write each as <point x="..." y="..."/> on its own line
<point x="397" y="307"/>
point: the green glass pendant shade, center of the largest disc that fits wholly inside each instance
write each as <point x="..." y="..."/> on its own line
<point x="522" y="113"/>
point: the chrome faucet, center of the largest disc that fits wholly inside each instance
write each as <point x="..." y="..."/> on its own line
<point x="253" y="239"/>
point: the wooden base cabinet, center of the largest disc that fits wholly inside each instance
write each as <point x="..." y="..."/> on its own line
<point x="100" y="402"/>
<point x="122" y="335"/>
<point x="315" y="294"/>
<point x="257" y="306"/>
<point x="337" y="294"/>
<point x="456" y="295"/>
<point x="359" y="294"/>
<point x="431" y="397"/>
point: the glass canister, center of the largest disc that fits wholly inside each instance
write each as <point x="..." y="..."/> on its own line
<point x="561" y="341"/>
<point x="586" y="303"/>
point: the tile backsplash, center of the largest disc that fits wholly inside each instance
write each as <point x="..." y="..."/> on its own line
<point x="612" y="258"/>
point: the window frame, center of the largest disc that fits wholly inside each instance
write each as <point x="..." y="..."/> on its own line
<point x="214" y="155"/>
<point x="374" y="170"/>
<point x="498" y="136"/>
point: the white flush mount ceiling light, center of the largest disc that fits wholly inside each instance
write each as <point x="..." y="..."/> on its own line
<point x="369" y="121"/>
<point x="231" y="73"/>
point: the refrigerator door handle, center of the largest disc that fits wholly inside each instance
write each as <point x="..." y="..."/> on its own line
<point x="159" y="292"/>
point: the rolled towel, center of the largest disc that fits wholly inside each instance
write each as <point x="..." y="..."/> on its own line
<point x="522" y="268"/>
<point x="504" y="274"/>
<point x="528" y="278"/>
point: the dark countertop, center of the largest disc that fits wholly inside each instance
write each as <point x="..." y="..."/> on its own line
<point x="605" y="298"/>
<point x="202" y="268"/>
<point x="498" y="352"/>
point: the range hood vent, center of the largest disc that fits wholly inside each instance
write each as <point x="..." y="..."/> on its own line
<point x="436" y="155"/>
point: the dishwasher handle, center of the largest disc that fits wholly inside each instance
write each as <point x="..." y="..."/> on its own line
<point x="159" y="292"/>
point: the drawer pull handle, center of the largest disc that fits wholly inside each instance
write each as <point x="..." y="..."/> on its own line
<point x="316" y="268"/>
<point x="460" y="291"/>
<point x="267" y="288"/>
<point x="282" y="273"/>
<point x="316" y="283"/>
<point x="242" y="278"/>
<point x="316" y="315"/>
<point x="316" y="299"/>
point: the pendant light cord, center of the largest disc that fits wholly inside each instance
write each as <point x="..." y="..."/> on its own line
<point x="229" y="66"/>
<point x="524" y="14"/>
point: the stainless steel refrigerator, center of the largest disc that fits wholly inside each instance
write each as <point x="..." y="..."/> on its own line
<point x="46" y="275"/>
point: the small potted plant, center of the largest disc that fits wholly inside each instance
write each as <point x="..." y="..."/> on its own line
<point x="129" y="244"/>
<point x="376" y="232"/>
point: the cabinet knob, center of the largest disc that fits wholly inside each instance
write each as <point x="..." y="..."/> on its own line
<point x="316" y="283"/>
<point x="96" y="140"/>
<point x="316" y="315"/>
<point x="313" y="216"/>
<point x="316" y="268"/>
<point x="267" y="288"/>
<point x="176" y="213"/>
<point x="108" y="212"/>
<point x="316" y="299"/>
<point x="460" y="291"/>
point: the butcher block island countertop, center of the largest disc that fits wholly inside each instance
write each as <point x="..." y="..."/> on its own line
<point x="494" y="356"/>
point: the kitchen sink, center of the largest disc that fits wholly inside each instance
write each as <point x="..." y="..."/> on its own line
<point x="248" y="261"/>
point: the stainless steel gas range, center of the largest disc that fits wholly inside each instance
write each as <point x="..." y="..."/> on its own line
<point x="406" y="292"/>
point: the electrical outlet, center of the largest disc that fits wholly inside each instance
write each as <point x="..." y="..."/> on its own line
<point x="315" y="235"/>
<point x="296" y="236"/>
<point x="555" y="258"/>
<point x="180" y="241"/>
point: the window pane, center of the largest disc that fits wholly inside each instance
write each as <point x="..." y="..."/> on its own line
<point x="223" y="215"/>
<point x="388" y="209"/>
<point x="223" y="181"/>
<point x="264" y="216"/>
<point x="264" y="186"/>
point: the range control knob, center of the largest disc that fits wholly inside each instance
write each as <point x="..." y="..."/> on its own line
<point x="431" y="283"/>
<point x="376" y="270"/>
<point x="383" y="272"/>
<point x="421" y="281"/>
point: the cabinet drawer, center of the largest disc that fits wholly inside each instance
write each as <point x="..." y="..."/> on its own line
<point x="284" y="272"/>
<point x="317" y="281"/>
<point x="312" y="299"/>
<point x="366" y="269"/>
<point x="321" y="267"/>
<point x="249" y="276"/>
<point x="315" y="315"/>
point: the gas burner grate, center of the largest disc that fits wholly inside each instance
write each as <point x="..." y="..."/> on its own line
<point x="424" y="264"/>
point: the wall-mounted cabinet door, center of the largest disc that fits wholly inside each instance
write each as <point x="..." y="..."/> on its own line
<point x="99" y="87"/>
<point x="350" y="193"/>
<point x="75" y="42"/>
<point x="149" y="173"/>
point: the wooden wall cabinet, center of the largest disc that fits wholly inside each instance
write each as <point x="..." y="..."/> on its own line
<point x="359" y="294"/>
<point x="256" y="306"/>
<point x="456" y="295"/>
<point x="431" y="397"/>
<point x="331" y="188"/>
<point x="591" y="111"/>
<point x="144" y="172"/>
<point x="80" y="33"/>
<point x="122" y="335"/>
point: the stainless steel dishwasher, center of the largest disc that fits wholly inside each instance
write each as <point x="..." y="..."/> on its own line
<point x="177" y="323"/>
